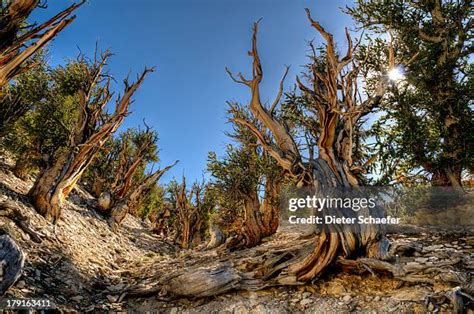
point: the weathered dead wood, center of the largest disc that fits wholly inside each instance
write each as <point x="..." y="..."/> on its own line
<point x="259" y="268"/>
<point x="13" y="53"/>
<point x="333" y="167"/>
<point x="54" y="184"/>
<point x="124" y="204"/>
<point x="217" y="238"/>
<point x="439" y="273"/>
<point x="12" y="260"/>
<point x="189" y="209"/>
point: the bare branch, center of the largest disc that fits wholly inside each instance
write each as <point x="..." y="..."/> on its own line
<point x="241" y="79"/>
<point x="280" y="91"/>
<point x="287" y="153"/>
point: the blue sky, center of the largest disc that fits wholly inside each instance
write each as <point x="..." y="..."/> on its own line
<point x="191" y="42"/>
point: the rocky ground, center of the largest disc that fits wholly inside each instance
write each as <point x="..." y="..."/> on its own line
<point x="83" y="266"/>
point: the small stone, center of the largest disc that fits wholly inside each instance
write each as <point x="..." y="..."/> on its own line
<point x="306" y="295"/>
<point x="431" y="307"/>
<point x="421" y="260"/>
<point x="335" y="288"/>
<point x="432" y="248"/>
<point x="174" y="310"/>
<point x="112" y="298"/>
<point x="77" y="298"/>
<point x="376" y="298"/>
<point x="306" y="302"/>
<point x="20" y="284"/>
<point x="347" y="298"/>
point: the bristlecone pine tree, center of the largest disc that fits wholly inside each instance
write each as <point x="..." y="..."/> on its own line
<point x="17" y="46"/>
<point x="144" y="143"/>
<point x="128" y="198"/>
<point x="238" y="179"/>
<point x="337" y="108"/>
<point x="190" y="207"/>
<point x="117" y="177"/>
<point x="334" y="98"/>
<point x="429" y="120"/>
<point x="93" y="129"/>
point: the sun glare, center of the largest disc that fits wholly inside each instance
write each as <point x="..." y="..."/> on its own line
<point x="396" y="74"/>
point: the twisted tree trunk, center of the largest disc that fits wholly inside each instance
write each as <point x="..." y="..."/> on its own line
<point x="122" y="206"/>
<point x="335" y="123"/>
<point x="12" y="17"/>
<point x="261" y="219"/>
<point x="54" y="184"/>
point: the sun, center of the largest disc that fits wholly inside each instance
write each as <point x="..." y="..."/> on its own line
<point x="396" y="74"/>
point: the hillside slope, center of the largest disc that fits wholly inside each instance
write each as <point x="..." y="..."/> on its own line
<point x="83" y="266"/>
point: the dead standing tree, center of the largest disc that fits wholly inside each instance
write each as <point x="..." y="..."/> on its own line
<point x="337" y="106"/>
<point x="54" y="184"/>
<point x="129" y="200"/>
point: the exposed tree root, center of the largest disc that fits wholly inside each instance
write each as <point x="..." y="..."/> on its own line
<point x="8" y="210"/>
<point x="262" y="268"/>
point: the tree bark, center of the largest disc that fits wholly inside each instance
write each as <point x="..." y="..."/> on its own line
<point x="253" y="226"/>
<point x="217" y="238"/>
<point x="11" y="57"/>
<point x="261" y="219"/>
<point x="123" y="206"/>
<point x="449" y="176"/>
<point x="333" y="169"/>
<point x="54" y="184"/>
